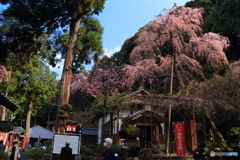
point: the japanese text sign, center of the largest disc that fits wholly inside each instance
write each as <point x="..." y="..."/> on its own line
<point x="179" y="139"/>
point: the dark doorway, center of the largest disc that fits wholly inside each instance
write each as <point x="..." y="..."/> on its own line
<point x="148" y="134"/>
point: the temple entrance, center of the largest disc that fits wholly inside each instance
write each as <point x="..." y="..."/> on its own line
<point x="144" y="141"/>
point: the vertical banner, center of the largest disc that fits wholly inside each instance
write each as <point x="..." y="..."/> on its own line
<point x="11" y="140"/>
<point x="24" y="144"/>
<point x="2" y="136"/>
<point x="69" y="128"/>
<point x="74" y="128"/>
<point x="179" y="139"/>
<point x="193" y="131"/>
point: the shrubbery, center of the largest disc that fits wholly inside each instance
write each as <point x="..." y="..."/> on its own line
<point x="117" y="148"/>
<point x="100" y="149"/>
<point x="4" y="156"/>
<point x="88" y="151"/>
<point x="36" y="153"/>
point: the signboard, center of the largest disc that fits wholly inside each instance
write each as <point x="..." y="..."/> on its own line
<point x="60" y="141"/>
<point x="11" y="140"/>
<point x="193" y="132"/>
<point x="25" y="141"/>
<point x="179" y="139"/>
<point x="2" y="136"/>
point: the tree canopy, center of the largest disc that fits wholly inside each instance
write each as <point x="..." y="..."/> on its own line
<point x="176" y="36"/>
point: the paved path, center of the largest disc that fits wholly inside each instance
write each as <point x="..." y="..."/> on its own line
<point x="25" y="156"/>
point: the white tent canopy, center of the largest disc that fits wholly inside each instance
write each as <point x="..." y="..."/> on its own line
<point x="43" y="133"/>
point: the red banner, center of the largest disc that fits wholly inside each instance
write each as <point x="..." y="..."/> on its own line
<point x="2" y="136"/>
<point x="24" y="144"/>
<point x="69" y="128"/>
<point x="74" y="128"/>
<point x="11" y="140"/>
<point x="179" y="139"/>
<point x="193" y="134"/>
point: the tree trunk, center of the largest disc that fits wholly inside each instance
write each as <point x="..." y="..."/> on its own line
<point x="169" y="111"/>
<point x="177" y="74"/>
<point x="67" y="68"/>
<point x="29" y="114"/>
<point x="219" y="138"/>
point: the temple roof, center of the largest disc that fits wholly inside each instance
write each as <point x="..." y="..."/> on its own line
<point x="4" y="101"/>
<point x="147" y="111"/>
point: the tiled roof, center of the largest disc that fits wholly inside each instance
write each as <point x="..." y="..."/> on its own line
<point x="140" y="90"/>
<point x="39" y="131"/>
<point x="7" y="103"/>
<point x="148" y="110"/>
<point x="90" y="131"/>
<point x="17" y="130"/>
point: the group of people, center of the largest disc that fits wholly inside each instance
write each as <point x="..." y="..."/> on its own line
<point x="13" y="151"/>
<point x="110" y="153"/>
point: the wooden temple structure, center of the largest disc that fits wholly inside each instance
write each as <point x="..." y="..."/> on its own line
<point x="147" y="116"/>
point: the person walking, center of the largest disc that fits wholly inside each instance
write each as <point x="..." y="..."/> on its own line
<point x="66" y="152"/>
<point x="201" y="152"/>
<point x="2" y="146"/>
<point x="14" y="152"/>
<point x="110" y="153"/>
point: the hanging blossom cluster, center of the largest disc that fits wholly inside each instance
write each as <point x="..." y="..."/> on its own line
<point x="98" y="81"/>
<point x="177" y="31"/>
<point x="189" y="69"/>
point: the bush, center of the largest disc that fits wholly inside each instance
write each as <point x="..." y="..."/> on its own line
<point x="36" y="153"/>
<point x="88" y="151"/>
<point x="82" y="148"/>
<point x="130" y="131"/>
<point x="117" y="148"/>
<point x="4" y="156"/>
<point x="47" y="143"/>
<point x="49" y="149"/>
<point x="100" y="149"/>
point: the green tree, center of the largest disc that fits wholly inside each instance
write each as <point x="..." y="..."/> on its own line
<point x="31" y="85"/>
<point x="122" y="57"/>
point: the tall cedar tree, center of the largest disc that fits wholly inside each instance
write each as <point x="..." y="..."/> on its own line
<point x="50" y="16"/>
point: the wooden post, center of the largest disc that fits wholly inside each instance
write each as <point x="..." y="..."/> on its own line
<point x="193" y="134"/>
<point x="169" y="111"/>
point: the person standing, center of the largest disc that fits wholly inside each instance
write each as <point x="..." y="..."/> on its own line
<point x="110" y="153"/>
<point x="2" y="146"/>
<point x="66" y="152"/>
<point x="14" y="151"/>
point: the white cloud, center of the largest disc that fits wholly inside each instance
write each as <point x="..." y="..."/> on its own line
<point x="109" y="51"/>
